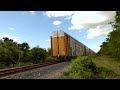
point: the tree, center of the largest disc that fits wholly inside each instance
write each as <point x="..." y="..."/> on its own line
<point x="5" y="39"/>
<point x="5" y="55"/>
<point x="114" y="40"/>
<point x="37" y="54"/>
<point x="112" y="44"/>
<point x="49" y="51"/>
<point x="104" y="49"/>
<point x="25" y="49"/>
<point x="10" y="52"/>
<point x="24" y="46"/>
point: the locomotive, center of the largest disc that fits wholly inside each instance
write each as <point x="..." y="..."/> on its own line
<point x="64" y="46"/>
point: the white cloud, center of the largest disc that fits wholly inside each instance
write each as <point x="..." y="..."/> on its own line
<point x="98" y="31"/>
<point x="58" y="13"/>
<point x="11" y="28"/>
<point x="57" y="23"/>
<point x="96" y="49"/>
<point x="17" y="39"/>
<point x="96" y="22"/>
<point x="28" y="12"/>
<point x="48" y="40"/>
<point x="32" y="12"/>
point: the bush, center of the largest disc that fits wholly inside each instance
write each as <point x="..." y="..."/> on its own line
<point x="92" y="55"/>
<point x="2" y="65"/>
<point x="104" y="72"/>
<point x="50" y="59"/>
<point x="37" y="55"/>
<point x="84" y="68"/>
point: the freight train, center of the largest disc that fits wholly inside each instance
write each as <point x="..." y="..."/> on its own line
<point x="64" y="46"/>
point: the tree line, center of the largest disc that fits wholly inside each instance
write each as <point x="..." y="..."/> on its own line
<point x="12" y="52"/>
<point x="111" y="46"/>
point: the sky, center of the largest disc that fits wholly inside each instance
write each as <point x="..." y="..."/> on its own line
<point x="35" y="27"/>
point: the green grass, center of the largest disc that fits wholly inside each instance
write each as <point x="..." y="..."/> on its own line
<point x="110" y="63"/>
<point x="50" y="59"/>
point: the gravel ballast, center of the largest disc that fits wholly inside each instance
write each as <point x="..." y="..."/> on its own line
<point x="48" y="72"/>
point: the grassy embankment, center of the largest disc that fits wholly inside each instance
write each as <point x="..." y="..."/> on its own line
<point x="93" y="67"/>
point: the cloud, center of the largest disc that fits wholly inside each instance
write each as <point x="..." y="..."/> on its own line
<point x="100" y="30"/>
<point x="96" y="22"/>
<point x="32" y="12"/>
<point x="96" y="49"/>
<point x="87" y="20"/>
<point x="28" y="12"/>
<point x="48" y="40"/>
<point x="17" y="39"/>
<point x="57" y="23"/>
<point x="11" y="28"/>
<point x="58" y="13"/>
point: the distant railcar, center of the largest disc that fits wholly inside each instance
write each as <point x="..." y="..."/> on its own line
<point x="64" y="46"/>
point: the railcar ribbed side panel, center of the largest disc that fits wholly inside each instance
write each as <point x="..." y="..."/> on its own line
<point x="65" y="45"/>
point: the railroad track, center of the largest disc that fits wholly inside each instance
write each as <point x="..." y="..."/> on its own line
<point x="9" y="71"/>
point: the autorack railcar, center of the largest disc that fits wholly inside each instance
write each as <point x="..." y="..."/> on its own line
<point x="64" y="46"/>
